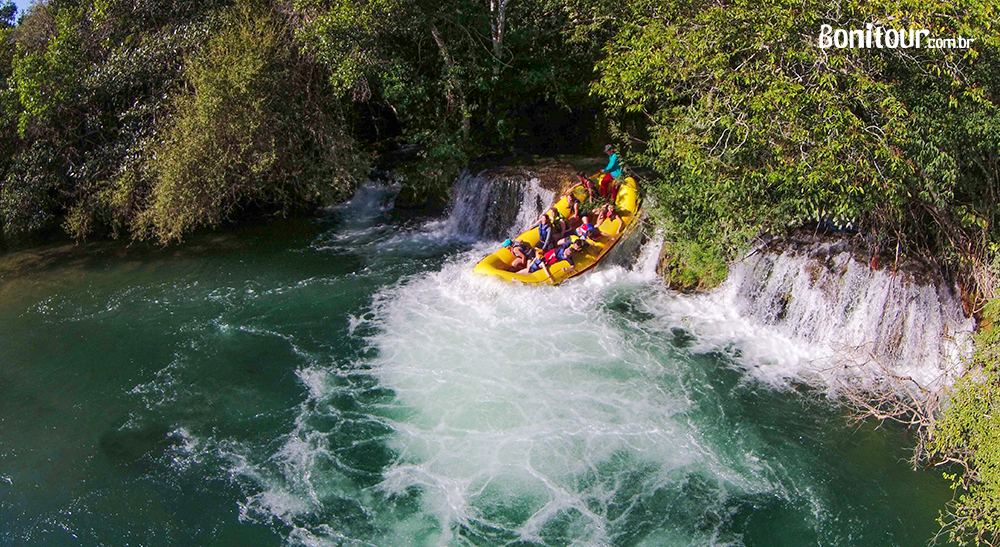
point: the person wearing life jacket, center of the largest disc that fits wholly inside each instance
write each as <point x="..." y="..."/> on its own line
<point x="546" y="233"/>
<point x="609" y="186"/>
<point x="565" y="252"/>
<point x="522" y="251"/>
<point x="552" y="256"/>
<point x="584" y="230"/>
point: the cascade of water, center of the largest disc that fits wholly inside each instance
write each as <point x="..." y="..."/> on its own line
<point x="883" y="322"/>
<point x="487" y="206"/>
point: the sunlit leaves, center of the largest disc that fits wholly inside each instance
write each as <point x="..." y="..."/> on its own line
<point x="968" y="433"/>
<point x="738" y="109"/>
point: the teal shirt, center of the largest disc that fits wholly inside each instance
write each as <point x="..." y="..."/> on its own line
<point x="613" y="166"/>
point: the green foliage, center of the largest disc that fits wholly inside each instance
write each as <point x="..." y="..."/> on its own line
<point x="968" y="434"/>
<point x="693" y="265"/>
<point x="28" y="192"/>
<point x="86" y="83"/>
<point x="753" y="127"/>
<point x="7" y="12"/>
<point x="157" y="118"/>
<point x="237" y="136"/>
<point x="460" y="79"/>
<point x="45" y="77"/>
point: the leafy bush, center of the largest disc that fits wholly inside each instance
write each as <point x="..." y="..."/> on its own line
<point x="158" y="118"/>
<point x="968" y="436"/>
<point x="238" y="134"/>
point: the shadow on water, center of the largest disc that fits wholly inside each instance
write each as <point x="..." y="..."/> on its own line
<point x="137" y="448"/>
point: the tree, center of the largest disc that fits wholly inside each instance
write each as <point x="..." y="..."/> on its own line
<point x="967" y="436"/>
<point x="754" y="127"/>
<point x="461" y="79"/>
<point x="116" y="118"/>
<point x="256" y="125"/>
<point x="7" y="12"/>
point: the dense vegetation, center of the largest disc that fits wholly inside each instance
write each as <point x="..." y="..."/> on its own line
<point x="968" y="435"/>
<point x="148" y="119"/>
<point x="754" y="127"/>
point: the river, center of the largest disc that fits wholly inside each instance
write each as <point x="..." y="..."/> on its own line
<point x="348" y="381"/>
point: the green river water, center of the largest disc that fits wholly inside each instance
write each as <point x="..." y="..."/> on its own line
<point x="349" y="381"/>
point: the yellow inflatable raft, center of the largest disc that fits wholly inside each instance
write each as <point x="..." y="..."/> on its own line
<point x="627" y="205"/>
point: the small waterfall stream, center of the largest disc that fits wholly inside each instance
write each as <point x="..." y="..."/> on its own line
<point x="485" y="206"/>
<point x="878" y="321"/>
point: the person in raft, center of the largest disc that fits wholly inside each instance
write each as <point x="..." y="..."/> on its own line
<point x="523" y="252"/>
<point x="555" y="255"/>
<point x="609" y="188"/>
<point x="607" y="212"/>
<point x="583" y="181"/>
<point x="546" y="233"/>
<point x="551" y="226"/>
<point x="574" y="208"/>
<point x="585" y="230"/>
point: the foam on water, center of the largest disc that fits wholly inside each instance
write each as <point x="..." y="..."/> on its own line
<point x="510" y="413"/>
<point x="518" y="395"/>
<point x="489" y="414"/>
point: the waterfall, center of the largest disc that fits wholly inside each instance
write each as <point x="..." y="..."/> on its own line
<point x="856" y="320"/>
<point x="885" y="322"/>
<point x="490" y="206"/>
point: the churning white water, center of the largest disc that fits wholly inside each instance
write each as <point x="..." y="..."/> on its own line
<point x="347" y="381"/>
<point x="493" y="414"/>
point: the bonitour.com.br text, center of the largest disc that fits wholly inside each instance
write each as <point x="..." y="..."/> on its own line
<point x="873" y="36"/>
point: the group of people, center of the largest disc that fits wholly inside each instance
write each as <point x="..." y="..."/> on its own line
<point x="560" y="236"/>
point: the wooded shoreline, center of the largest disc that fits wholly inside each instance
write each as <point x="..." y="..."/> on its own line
<point x="148" y="120"/>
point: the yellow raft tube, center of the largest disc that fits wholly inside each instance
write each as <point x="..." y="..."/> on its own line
<point x="627" y="205"/>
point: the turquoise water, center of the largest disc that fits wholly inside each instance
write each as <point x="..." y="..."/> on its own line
<point x="348" y="381"/>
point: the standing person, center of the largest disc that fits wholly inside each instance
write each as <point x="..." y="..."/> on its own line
<point x="609" y="188"/>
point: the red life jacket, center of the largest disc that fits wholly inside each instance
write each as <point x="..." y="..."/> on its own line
<point x="550" y="257"/>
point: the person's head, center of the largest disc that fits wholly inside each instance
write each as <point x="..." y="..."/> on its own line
<point x="585" y="218"/>
<point x="545" y="219"/>
<point x="507" y="243"/>
<point x="608" y="149"/>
